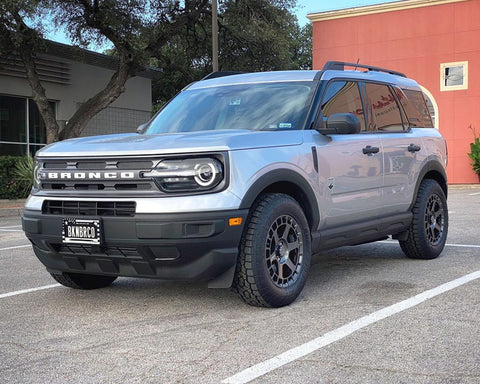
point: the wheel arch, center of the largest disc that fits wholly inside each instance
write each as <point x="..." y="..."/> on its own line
<point x="435" y="171"/>
<point x="288" y="182"/>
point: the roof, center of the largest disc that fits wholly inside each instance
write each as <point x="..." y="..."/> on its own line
<point x="378" y="8"/>
<point x="374" y="74"/>
<point x="257" y="77"/>
<point x="401" y="81"/>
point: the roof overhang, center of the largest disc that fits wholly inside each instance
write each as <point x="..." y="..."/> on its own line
<point x="379" y="8"/>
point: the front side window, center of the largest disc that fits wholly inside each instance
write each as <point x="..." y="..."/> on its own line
<point x="386" y="113"/>
<point x="343" y="97"/>
<point x="257" y="107"/>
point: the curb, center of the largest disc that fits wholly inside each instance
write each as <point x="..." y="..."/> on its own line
<point x="11" y="207"/>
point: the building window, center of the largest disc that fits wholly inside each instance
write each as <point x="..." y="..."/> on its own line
<point x="22" y="130"/>
<point x="454" y="76"/>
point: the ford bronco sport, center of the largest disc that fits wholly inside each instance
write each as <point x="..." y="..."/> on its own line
<point x="240" y="178"/>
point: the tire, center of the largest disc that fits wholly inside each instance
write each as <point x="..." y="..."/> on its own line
<point x="275" y="252"/>
<point x="81" y="281"/>
<point x="428" y="231"/>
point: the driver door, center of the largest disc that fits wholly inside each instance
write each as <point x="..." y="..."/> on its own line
<point x="350" y="166"/>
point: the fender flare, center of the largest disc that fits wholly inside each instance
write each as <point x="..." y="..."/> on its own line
<point x="307" y="196"/>
<point x="435" y="167"/>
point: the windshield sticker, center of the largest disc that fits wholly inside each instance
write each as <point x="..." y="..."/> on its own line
<point x="285" y="125"/>
<point x="235" y="101"/>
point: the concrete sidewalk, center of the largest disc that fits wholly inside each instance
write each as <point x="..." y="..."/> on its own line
<point x="11" y="207"/>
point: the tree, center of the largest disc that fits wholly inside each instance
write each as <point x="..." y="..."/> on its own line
<point x="254" y="35"/>
<point x="138" y="30"/>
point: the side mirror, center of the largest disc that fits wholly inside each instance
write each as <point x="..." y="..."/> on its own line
<point x="341" y="124"/>
<point x="142" y="127"/>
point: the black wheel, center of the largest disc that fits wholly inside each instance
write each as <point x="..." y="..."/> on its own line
<point x="428" y="231"/>
<point x="80" y="281"/>
<point x="275" y="252"/>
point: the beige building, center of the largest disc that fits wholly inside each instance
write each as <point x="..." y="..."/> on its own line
<point x="70" y="76"/>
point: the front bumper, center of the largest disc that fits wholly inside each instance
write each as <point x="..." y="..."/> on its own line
<point x="194" y="246"/>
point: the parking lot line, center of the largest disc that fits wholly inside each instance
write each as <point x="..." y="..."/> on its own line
<point x="447" y="245"/>
<point x="29" y="290"/>
<point x="296" y="353"/>
<point x="15" y="247"/>
<point x="474" y="194"/>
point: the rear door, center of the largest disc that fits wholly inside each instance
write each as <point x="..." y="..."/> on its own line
<point x="401" y="145"/>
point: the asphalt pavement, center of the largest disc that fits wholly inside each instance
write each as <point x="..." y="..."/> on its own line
<point x="366" y="315"/>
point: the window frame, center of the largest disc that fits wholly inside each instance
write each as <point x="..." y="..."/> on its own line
<point x="443" y="66"/>
<point x="27" y="144"/>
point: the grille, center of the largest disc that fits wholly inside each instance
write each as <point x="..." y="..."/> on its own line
<point x="92" y="177"/>
<point x="89" y="208"/>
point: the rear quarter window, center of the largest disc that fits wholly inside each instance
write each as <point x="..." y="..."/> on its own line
<point x="416" y="108"/>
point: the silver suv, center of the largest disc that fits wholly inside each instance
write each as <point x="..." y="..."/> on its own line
<point x="241" y="178"/>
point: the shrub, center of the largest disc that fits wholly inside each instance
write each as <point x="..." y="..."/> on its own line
<point x="16" y="176"/>
<point x="475" y="152"/>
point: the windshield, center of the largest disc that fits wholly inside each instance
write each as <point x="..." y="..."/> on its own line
<point x="257" y="107"/>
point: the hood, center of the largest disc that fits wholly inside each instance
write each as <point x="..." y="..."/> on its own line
<point x="136" y="144"/>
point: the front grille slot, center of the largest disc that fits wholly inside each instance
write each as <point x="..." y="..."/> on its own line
<point x="89" y="208"/>
<point x="87" y="250"/>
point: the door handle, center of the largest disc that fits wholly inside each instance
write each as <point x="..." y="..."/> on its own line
<point x="369" y="150"/>
<point x="413" y="148"/>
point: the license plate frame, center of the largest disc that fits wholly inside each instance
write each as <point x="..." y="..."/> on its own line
<point x="82" y="231"/>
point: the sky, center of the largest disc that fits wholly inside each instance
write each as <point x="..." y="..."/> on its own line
<point x="312" y="6"/>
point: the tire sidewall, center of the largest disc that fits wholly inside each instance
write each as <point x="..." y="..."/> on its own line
<point x="431" y="188"/>
<point x="271" y="293"/>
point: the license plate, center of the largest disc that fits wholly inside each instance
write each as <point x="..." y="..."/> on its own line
<point x="82" y="231"/>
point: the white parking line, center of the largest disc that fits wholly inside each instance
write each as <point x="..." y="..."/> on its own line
<point x="21" y="292"/>
<point x="296" y="353"/>
<point x="11" y="230"/>
<point x="474" y="194"/>
<point x="447" y="245"/>
<point x="11" y="226"/>
<point x="15" y="247"/>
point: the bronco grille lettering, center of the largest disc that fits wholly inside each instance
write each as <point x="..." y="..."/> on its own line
<point x="86" y="175"/>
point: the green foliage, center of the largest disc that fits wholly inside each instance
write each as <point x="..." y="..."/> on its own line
<point x="254" y="35"/>
<point x="475" y="155"/>
<point x="23" y="174"/>
<point x="16" y="175"/>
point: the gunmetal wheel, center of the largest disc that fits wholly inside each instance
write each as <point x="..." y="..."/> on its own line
<point x="428" y="231"/>
<point x="434" y="220"/>
<point x="284" y="251"/>
<point x="275" y="252"/>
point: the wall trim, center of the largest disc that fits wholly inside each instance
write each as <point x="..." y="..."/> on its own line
<point x="378" y="8"/>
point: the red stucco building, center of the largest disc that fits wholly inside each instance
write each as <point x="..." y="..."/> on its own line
<point x="436" y="42"/>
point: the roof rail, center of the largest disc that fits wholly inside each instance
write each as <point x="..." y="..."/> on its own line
<point x="340" y="66"/>
<point x="214" y="75"/>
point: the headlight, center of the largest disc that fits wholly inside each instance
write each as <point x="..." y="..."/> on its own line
<point x="187" y="175"/>
<point x="36" y="175"/>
